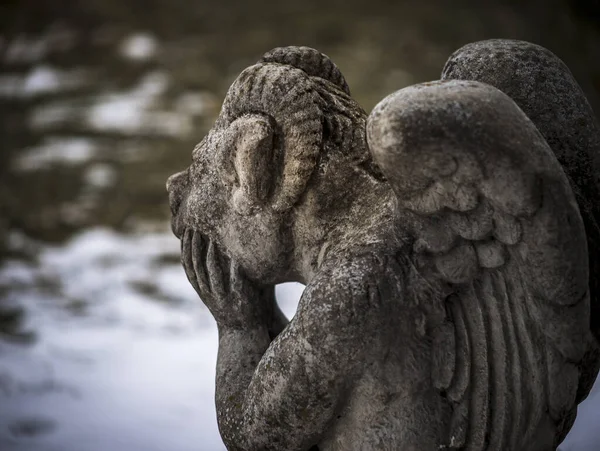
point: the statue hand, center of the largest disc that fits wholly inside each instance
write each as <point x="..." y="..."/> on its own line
<point x="234" y="300"/>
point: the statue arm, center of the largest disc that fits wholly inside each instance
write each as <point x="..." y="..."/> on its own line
<point x="283" y="395"/>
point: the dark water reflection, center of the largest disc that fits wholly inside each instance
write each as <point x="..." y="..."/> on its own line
<point x="102" y="342"/>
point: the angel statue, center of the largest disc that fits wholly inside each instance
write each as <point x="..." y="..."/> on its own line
<point x="448" y="241"/>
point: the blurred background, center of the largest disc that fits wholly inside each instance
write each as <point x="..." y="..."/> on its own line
<point x="103" y="344"/>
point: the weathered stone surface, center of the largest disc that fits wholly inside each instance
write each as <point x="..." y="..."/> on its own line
<point x="543" y="87"/>
<point x="448" y="299"/>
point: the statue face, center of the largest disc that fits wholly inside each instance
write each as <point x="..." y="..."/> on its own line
<point x="196" y="195"/>
<point x="216" y="199"/>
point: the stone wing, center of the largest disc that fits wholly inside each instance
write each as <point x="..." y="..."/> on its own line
<point x="499" y="249"/>
<point x="544" y="88"/>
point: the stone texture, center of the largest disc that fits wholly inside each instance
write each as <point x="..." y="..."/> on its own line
<point x="543" y="87"/>
<point x="447" y="301"/>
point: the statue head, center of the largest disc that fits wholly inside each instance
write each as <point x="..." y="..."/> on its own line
<point x="288" y="131"/>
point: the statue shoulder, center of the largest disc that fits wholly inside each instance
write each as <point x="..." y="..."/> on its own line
<point x="365" y="275"/>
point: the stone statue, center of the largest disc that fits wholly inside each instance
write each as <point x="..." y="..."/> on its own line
<point x="448" y="243"/>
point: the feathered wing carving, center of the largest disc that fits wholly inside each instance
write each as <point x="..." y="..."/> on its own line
<point x="544" y="88"/>
<point x="495" y="230"/>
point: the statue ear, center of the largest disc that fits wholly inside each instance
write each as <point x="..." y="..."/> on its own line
<point x="251" y="152"/>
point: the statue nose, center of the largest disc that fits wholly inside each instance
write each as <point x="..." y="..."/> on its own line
<point x="175" y="186"/>
<point x="172" y="181"/>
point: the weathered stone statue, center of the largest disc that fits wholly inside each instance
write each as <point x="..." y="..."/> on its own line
<point x="449" y="244"/>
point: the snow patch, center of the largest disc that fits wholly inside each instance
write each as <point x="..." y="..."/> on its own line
<point x="139" y="47"/>
<point x="46" y="79"/>
<point x="54" y="151"/>
<point x="100" y="175"/>
<point x="128" y="371"/>
<point x="131" y="112"/>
